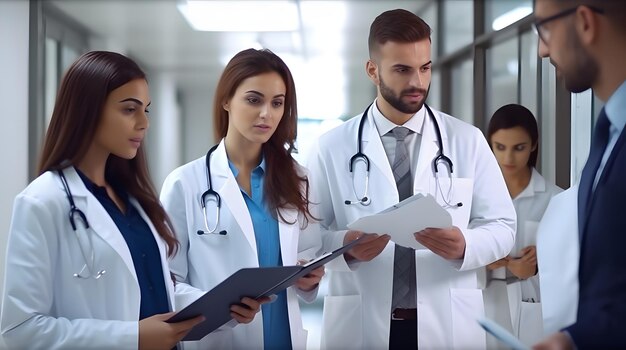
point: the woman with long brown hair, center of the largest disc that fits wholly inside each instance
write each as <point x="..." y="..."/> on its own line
<point x="247" y="202"/>
<point x="87" y="252"/>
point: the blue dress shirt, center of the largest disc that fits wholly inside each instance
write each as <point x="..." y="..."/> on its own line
<point x="143" y="249"/>
<point x="276" y="331"/>
<point x="615" y="109"/>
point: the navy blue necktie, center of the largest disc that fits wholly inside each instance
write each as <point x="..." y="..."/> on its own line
<point x="598" y="145"/>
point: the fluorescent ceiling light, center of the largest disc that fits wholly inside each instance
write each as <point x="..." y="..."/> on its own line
<point x="240" y="16"/>
<point x="511" y="17"/>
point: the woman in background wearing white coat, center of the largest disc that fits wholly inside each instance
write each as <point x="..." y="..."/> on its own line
<point x="86" y="264"/>
<point x="514" y="138"/>
<point x="266" y="217"/>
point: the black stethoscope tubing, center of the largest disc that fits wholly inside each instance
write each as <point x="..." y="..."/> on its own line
<point x="210" y="192"/>
<point x="360" y="156"/>
<point x="441" y="157"/>
<point x="72" y="213"/>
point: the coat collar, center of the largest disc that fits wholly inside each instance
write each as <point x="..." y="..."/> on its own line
<point x="536" y="184"/>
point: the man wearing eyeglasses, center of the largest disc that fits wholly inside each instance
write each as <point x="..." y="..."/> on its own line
<point x="586" y="42"/>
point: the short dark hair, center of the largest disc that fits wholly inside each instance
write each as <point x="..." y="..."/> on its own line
<point x="514" y="115"/>
<point x="398" y="25"/>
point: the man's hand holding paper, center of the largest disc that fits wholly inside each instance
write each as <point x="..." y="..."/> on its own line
<point x="448" y="243"/>
<point x="417" y="216"/>
<point x="368" y="248"/>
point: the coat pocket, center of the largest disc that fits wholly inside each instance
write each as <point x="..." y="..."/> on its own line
<point x="467" y="307"/>
<point x="342" y="322"/>
<point x="530" y="323"/>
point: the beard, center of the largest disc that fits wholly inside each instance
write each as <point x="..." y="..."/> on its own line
<point x="584" y="68"/>
<point x="395" y="100"/>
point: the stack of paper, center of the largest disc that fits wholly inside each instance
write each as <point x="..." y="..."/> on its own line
<point x="401" y="220"/>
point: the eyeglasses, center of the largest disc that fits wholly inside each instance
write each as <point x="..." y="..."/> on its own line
<point x="544" y="33"/>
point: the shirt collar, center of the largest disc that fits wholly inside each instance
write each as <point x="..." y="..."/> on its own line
<point x="384" y="125"/>
<point x="259" y="169"/>
<point x="536" y="184"/>
<point x="615" y="108"/>
<point x="100" y="190"/>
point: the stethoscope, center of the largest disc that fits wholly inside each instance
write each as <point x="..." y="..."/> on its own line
<point x="210" y="195"/>
<point x="92" y="257"/>
<point x="359" y="156"/>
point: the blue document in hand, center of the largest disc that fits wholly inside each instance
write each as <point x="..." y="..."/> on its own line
<point x="254" y="282"/>
<point x="502" y="334"/>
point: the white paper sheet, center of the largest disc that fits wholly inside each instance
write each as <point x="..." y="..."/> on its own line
<point x="401" y="220"/>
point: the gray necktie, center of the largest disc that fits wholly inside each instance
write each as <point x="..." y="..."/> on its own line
<point x="404" y="285"/>
<point x="402" y="163"/>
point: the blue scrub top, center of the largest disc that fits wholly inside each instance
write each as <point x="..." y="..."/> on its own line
<point x="143" y="249"/>
<point x="276" y="331"/>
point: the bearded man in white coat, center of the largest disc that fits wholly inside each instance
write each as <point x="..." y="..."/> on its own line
<point x="382" y="295"/>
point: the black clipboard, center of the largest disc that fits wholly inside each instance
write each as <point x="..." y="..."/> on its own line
<point x="254" y="282"/>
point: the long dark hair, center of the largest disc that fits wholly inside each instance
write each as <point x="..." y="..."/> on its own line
<point x="513" y="115"/>
<point x="75" y="119"/>
<point x="283" y="185"/>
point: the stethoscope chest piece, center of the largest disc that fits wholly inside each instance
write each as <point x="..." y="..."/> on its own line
<point x="210" y="195"/>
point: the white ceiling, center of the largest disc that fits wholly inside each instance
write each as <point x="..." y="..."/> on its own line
<point x="333" y="35"/>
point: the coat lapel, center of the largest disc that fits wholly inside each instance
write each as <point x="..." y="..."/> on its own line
<point x="429" y="149"/>
<point x="226" y="185"/>
<point x="373" y="148"/>
<point x="288" y="231"/>
<point x="99" y="219"/>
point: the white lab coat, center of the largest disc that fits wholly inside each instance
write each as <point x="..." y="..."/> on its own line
<point x="524" y="296"/>
<point x="449" y="299"/>
<point x="44" y="306"/>
<point x="204" y="261"/>
<point x="519" y="303"/>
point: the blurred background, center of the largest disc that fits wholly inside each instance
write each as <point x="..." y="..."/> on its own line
<point x="484" y="56"/>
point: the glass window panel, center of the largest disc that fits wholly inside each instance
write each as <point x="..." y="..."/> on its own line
<point x="51" y="77"/>
<point x="458" y="24"/>
<point x="528" y="78"/>
<point x="429" y="15"/>
<point x="68" y="56"/>
<point x="502" y="75"/>
<point x="501" y="13"/>
<point x="463" y="90"/>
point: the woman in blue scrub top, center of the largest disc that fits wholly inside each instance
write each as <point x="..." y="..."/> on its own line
<point x="267" y="216"/>
<point x="86" y="264"/>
